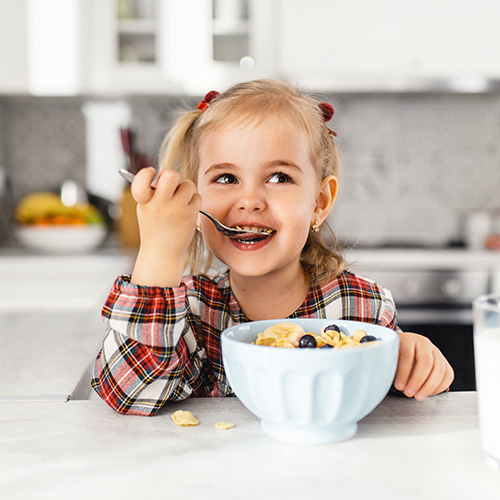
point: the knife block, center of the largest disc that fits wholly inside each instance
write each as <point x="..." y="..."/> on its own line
<point x="128" y="227"/>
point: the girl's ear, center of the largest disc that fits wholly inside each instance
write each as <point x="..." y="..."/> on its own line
<point x="326" y="198"/>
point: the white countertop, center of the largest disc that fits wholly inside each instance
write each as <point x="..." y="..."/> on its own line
<point x="424" y="258"/>
<point x="377" y="263"/>
<point x="44" y="282"/>
<point x="83" y="449"/>
<point x="48" y="356"/>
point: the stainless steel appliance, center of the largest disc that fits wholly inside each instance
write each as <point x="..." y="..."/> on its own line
<point x="437" y="304"/>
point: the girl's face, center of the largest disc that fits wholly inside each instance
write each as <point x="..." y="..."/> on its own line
<point x="259" y="176"/>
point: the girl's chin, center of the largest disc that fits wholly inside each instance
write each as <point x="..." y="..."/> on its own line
<point x="259" y="269"/>
<point x="267" y="276"/>
<point x="247" y="268"/>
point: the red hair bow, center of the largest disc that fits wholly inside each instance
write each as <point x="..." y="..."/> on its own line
<point x="209" y="96"/>
<point x="327" y="111"/>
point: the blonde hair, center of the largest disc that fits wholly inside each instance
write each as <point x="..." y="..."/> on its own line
<point x="255" y="101"/>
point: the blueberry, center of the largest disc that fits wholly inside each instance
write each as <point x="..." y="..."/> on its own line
<point x="326" y="346"/>
<point x="307" y="341"/>
<point x="331" y="328"/>
<point x="367" y="338"/>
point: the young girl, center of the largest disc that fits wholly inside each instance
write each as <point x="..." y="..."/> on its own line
<point x="261" y="157"/>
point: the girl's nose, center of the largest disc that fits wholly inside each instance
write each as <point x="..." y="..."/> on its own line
<point x="251" y="199"/>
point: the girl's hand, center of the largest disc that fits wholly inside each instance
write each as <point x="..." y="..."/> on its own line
<point x="167" y="218"/>
<point x="422" y="369"/>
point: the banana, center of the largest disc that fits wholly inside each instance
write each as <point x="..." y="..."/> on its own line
<point x="47" y="208"/>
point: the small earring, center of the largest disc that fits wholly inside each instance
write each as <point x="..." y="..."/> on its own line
<point x="198" y="228"/>
<point x="315" y="227"/>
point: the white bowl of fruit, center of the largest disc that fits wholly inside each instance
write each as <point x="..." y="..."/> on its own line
<point x="46" y="224"/>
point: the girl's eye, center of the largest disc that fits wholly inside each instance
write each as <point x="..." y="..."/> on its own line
<point x="226" y="179"/>
<point x="279" y="178"/>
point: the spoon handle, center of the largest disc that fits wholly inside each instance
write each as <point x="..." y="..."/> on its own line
<point x="128" y="176"/>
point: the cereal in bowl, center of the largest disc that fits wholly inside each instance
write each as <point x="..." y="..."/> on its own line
<point x="292" y="335"/>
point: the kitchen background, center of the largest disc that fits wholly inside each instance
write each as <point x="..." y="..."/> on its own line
<point x="417" y="110"/>
<point x="413" y="166"/>
<point x="416" y="92"/>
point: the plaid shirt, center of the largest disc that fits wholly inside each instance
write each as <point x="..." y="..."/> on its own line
<point x="164" y="343"/>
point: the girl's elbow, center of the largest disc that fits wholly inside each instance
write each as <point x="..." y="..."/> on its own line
<point x="127" y="407"/>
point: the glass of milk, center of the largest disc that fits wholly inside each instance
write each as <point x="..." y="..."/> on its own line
<point x="487" y="360"/>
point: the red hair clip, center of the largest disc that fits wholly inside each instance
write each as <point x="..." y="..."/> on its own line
<point x="327" y="112"/>
<point x="209" y="96"/>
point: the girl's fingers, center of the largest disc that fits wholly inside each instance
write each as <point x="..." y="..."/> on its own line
<point x="447" y="379"/>
<point x="171" y="186"/>
<point x="167" y="183"/>
<point x="141" y="186"/>
<point x="405" y="362"/>
<point x="186" y="191"/>
<point x="434" y="381"/>
<point x="422" y="368"/>
<point x="196" y="202"/>
<point x="168" y="194"/>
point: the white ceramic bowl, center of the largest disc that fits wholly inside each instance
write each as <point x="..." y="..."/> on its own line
<point x="309" y="396"/>
<point x="63" y="238"/>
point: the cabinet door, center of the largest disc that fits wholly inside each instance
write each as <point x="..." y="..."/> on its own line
<point x="222" y="42"/>
<point x="40" y="47"/>
<point x="13" y="47"/>
<point x="123" y="47"/>
<point x="332" y="41"/>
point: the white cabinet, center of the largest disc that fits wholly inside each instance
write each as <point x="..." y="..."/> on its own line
<point x="68" y="47"/>
<point x="13" y="47"/>
<point x="192" y="46"/>
<point x="172" y="46"/>
<point x="367" y="43"/>
<point x="41" y="47"/>
<point x="122" y="47"/>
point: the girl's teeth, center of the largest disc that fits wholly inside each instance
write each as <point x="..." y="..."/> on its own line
<point x="251" y="229"/>
<point x="250" y="241"/>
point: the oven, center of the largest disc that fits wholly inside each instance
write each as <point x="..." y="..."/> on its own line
<point x="437" y="303"/>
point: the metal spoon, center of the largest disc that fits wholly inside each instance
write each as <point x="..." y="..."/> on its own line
<point x="228" y="231"/>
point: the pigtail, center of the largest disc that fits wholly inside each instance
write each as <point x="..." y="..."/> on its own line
<point x="322" y="257"/>
<point x="175" y="151"/>
<point x="178" y="153"/>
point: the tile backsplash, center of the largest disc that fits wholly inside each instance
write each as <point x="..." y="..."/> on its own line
<point x="412" y="164"/>
<point x="42" y="141"/>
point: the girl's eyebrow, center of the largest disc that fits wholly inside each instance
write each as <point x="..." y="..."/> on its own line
<point x="283" y="163"/>
<point x="270" y="164"/>
<point x="219" y="167"/>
